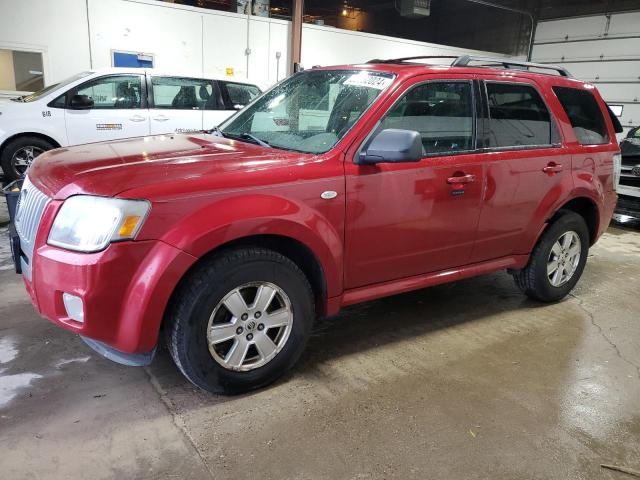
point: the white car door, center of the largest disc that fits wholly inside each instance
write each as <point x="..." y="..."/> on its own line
<point x="177" y="103"/>
<point x="119" y="109"/>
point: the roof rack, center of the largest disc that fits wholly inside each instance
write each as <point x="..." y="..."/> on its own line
<point x="408" y="59"/>
<point x="465" y="60"/>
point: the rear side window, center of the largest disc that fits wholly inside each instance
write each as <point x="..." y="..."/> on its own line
<point x="442" y="112"/>
<point x="518" y="116"/>
<point x="183" y="93"/>
<point x="584" y="114"/>
<point x="239" y="95"/>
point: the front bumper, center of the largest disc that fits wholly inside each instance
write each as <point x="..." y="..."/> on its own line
<point x="124" y="290"/>
<point x="628" y="208"/>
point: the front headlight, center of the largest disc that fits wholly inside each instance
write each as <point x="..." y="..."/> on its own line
<point x="88" y="224"/>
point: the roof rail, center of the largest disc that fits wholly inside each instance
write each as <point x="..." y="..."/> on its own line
<point x="465" y="60"/>
<point x="408" y="59"/>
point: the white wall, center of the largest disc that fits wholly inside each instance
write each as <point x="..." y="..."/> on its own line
<point x="184" y="39"/>
<point x="332" y="46"/>
<point x="57" y="28"/>
<point x="599" y="49"/>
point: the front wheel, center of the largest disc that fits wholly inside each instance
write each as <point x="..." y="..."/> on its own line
<point x="557" y="261"/>
<point x="19" y="154"/>
<point x="240" y="320"/>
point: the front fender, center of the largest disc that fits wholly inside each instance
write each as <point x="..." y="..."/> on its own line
<point x="217" y="223"/>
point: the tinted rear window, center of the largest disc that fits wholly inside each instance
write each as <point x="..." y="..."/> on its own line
<point x="584" y="114"/>
<point x="518" y="116"/>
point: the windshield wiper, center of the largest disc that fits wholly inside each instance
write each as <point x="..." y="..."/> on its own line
<point x="259" y="141"/>
<point x="250" y="137"/>
<point x="215" y="131"/>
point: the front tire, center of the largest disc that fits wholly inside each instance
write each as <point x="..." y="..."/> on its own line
<point x="19" y="154"/>
<point x="240" y="320"/>
<point x="557" y="261"/>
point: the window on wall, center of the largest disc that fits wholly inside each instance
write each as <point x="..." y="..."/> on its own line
<point x="584" y="114"/>
<point x="21" y="71"/>
<point x="116" y="91"/>
<point x="442" y="112"/>
<point x="518" y="116"/>
<point x="184" y="93"/>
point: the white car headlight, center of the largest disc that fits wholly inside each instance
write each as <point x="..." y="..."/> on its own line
<point x="88" y="224"/>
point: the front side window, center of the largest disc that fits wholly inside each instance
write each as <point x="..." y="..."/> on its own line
<point x="309" y="112"/>
<point x="584" y="114"/>
<point x="184" y="93"/>
<point x="441" y="111"/>
<point x="518" y="116"/>
<point x="240" y="95"/>
<point x="114" y="92"/>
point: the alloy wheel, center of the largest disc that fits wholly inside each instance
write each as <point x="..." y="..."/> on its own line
<point x="564" y="258"/>
<point x="249" y="326"/>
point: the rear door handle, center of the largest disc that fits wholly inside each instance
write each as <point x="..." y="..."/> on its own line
<point x="462" y="179"/>
<point x="137" y="118"/>
<point x="552" y="168"/>
<point x="161" y="118"/>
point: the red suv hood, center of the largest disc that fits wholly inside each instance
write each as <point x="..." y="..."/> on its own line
<point x="110" y="168"/>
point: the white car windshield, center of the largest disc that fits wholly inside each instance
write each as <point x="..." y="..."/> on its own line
<point x="309" y="112"/>
<point x="32" y="97"/>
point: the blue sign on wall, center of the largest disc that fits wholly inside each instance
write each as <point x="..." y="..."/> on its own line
<point x="132" y="60"/>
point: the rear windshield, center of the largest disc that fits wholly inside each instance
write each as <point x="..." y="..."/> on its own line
<point x="584" y="114"/>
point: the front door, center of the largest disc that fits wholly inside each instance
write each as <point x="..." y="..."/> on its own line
<point x="119" y="110"/>
<point x="413" y="218"/>
<point x="177" y="104"/>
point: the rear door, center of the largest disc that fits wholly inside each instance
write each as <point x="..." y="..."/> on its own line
<point x="407" y="219"/>
<point x="178" y="103"/>
<point x="527" y="167"/>
<point x="119" y="110"/>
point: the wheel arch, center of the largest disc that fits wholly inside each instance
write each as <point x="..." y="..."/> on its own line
<point x="295" y="250"/>
<point x="43" y="136"/>
<point x="588" y="210"/>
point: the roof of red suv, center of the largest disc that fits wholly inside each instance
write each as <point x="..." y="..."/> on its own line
<point x="407" y="69"/>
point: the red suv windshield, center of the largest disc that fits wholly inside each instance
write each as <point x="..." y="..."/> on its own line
<point x="311" y="111"/>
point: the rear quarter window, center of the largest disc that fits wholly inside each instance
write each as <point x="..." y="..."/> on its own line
<point x="584" y="114"/>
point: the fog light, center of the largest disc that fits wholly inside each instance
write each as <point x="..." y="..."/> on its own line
<point x="74" y="307"/>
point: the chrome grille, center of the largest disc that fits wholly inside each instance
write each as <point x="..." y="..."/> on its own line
<point x="31" y="205"/>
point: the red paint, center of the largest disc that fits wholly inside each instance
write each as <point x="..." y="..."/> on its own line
<point x="391" y="228"/>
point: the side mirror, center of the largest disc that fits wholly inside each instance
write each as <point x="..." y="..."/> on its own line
<point x="81" y="102"/>
<point x="393" y="146"/>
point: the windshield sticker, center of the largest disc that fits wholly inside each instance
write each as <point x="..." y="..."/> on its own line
<point x="369" y="80"/>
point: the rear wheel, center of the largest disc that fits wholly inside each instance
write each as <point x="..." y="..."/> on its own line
<point x="19" y="154"/>
<point x="240" y="320"/>
<point x="557" y="261"/>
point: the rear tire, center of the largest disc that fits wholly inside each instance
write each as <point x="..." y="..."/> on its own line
<point x="220" y="302"/>
<point x="553" y="271"/>
<point x="19" y="153"/>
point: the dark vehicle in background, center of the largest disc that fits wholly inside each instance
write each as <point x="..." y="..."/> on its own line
<point x="628" y="208"/>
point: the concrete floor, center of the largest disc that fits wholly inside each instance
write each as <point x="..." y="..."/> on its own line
<point x="467" y="380"/>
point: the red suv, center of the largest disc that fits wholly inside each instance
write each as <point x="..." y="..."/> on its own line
<point x="337" y="186"/>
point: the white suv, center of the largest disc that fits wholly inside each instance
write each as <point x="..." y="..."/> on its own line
<point x="110" y="104"/>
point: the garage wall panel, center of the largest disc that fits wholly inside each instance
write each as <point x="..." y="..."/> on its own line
<point x="173" y="36"/>
<point x="58" y="29"/>
<point x="598" y="49"/>
<point x="332" y="46"/>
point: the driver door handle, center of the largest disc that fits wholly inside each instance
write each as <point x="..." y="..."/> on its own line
<point x="137" y="118"/>
<point x="161" y="118"/>
<point x="462" y="179"/>
<point x="552" y="168"/>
